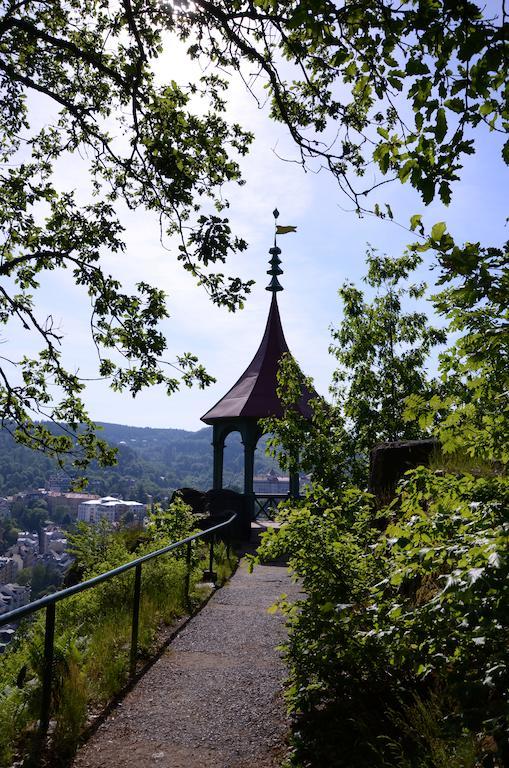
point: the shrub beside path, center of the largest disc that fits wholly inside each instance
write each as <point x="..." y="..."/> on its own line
<point x="214" y="698"/>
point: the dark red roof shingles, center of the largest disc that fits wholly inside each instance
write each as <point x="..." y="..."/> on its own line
<point x="254" y="394"/>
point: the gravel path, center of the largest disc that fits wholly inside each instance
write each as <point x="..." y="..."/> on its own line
<point x="213" y="700"/>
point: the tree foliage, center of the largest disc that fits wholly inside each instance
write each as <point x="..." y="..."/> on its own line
<point x="402" y="633"/>
<point x="398" y="652"/>
<point x="89" y="67"/>
<point x="319" y="446"/>
<point x="383" y="352"/>
<point x="42" y="579"/>
<point x="401" y="84"/>
<point x="473" y="416"/>
<point x="397" y="85"/>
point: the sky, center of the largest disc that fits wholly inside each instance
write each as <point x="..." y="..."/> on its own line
<point x="328" y="249"/>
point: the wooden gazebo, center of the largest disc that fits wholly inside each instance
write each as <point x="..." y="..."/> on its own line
<point x="254" y="395"/>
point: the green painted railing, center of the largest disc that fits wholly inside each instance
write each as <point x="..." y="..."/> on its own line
<point x="49" y="602"/>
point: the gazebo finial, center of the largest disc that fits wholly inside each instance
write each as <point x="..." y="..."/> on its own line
<point x="274" y="286"/>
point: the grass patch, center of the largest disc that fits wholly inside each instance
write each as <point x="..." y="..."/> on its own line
<point x="92" y="648"/>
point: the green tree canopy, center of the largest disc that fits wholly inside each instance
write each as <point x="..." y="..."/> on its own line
<point x="472" y="416"/>
<point x="88" y="65"/>
<point x="395" y="86"/>
<point x="383" y="352"/>
<point x="400" y="83"/>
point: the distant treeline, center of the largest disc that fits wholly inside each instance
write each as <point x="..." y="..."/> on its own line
<point x="150" y="462"/>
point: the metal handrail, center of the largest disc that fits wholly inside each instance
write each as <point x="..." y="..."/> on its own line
<point x="49" y="602"/>
<point x="36" y="605"/>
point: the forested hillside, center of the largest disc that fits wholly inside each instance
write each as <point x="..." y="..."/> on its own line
<point x="150" y="461"/>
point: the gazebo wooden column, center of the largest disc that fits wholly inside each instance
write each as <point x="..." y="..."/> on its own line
<point x="250" y="432"/>
<point x="218" y="438"/>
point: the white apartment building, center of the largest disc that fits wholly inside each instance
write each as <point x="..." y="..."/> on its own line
<point x="109" y="508"/>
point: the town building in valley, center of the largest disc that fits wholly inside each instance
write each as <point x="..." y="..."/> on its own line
<point x="111" y="509"/>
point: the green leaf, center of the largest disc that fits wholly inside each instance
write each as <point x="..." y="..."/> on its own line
<point x="455" y="105"/>
<point x="427" y="188"/>
<point x="416" y="66"/>
<point x="505" y="152"/>
<point x="438" y="230"/>
<point x="441" y="127"/>
<point x="415" y="221"/>
<point x="445" y="192"/>
<point x="405" y="171"/>
<point x="487" y="108"/>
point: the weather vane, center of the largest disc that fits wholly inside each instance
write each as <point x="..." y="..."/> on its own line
<point x="275" y="270"/>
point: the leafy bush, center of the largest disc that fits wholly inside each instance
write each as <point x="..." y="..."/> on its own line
<point x="444" y="607"/>
<point x="398" y="651"/>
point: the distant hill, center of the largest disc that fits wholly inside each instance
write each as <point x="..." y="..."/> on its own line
<point x="150" y="461"/>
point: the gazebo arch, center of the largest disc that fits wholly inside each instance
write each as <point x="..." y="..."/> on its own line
<point x="254" y="395"/>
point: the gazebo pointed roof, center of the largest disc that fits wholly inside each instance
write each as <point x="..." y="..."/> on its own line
<point x="254" y="395"/>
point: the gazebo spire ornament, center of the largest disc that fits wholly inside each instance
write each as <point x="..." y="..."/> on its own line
<point x="274" y="286"/>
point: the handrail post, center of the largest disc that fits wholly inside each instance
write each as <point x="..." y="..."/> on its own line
<point x="136" y="619"/>
<point x="211" y="554"/>
<point x="187" y="577"/>
<point x="47" y="676"/>
<point x="210" y="575"/>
